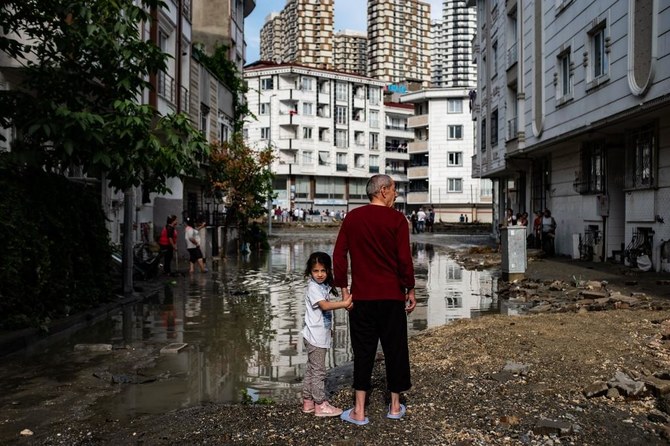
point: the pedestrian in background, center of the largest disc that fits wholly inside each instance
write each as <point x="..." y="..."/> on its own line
<point x="192" y="235"/>
<point x="168" y="243"/>
<point x="317" y="333"/>
<point x="376" y="239"/>
<point x="548" y="233"/>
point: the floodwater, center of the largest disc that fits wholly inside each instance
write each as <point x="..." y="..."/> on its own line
<point x="242" y="325"/>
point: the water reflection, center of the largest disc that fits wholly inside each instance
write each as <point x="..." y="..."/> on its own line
<point x="243" y="327"/>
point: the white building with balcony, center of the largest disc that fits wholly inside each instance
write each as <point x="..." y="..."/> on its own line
<point x="327" y="129"/>
<point x="440" y="157"/>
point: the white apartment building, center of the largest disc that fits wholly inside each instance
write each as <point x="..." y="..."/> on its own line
<point x="451" y="48"/>
<point x="302" y="33"/>
<point x="440" y="157"/>
<point x="573" y="114"/>
<point x="327" y="129"/>
<point x="350" y="52"/>
<point x="399" y="41"/>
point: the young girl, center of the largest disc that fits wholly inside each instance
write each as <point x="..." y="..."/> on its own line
<point x="317" y="333"/>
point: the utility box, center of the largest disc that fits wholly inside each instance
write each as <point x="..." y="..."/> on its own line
<point x="513" y="246"/>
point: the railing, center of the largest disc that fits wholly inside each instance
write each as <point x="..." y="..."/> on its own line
<point x="186" y="9"/>
<point x="399" y="149"/>
<point x="184" y="97"/>
<point x="374" y="169"/>
<point x="341" y="167"/>
<point x="165" y="86"/>
<point x="512" y="129"/>
<point x="512" y="55"/>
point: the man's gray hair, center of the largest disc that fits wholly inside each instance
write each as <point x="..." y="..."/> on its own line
<point x="376" y="183"/>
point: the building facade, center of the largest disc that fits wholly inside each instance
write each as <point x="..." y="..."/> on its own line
<point x="572" y="109"/>
<point x="302" y="33"/>
<point x="399" y="41"/>
<point x="440" y="157"/>
<point x="271" y="38"/>
<point x="327" y="129"/>
<point x="451" y="51"/>
<point x="221" y="22"/>
<point x="350" y="52"/>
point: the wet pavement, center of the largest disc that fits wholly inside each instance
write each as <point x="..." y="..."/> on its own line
<point x="241" y="324"/>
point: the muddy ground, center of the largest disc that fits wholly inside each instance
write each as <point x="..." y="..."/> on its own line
<point x="591" y="368"/>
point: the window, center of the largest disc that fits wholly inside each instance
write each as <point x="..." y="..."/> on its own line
<point x="267" y="84"/>
<point x="374" y="141"/>
<point x="599" y="52"/>
<point x="592" y="178"/>
<point x="341" y="164"/>
<point x="455" y="159"/>
<point x="564" y="76"/>
<point x="641" y="158"/>
<point x="341" y="138"/>
<point x="374" y="119"/>
<point x="324" y="158"/>
<point x="307" y="133"/>
<point x="340" y="91"/>
<point x="307" y="84"/>
<point x="483" y="136"/>
<point x="494" y="128"/>
<point x="265" y="132"/>
<point x="454" y="106"/>
<point x="264" y="108"/>
<point x="307" y="158"/>
<point x="494" y="62"/>
<point x="454" y="185"/>
<point x="307" y="108"/>
<point x="455" y="131"/>
<point x="374" y="95"/>
<point x="374" y="164"/>
<point x="340" y="115"/>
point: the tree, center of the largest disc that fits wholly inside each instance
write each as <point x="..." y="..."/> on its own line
<point x="84" y="68"/>
<point x="241" y="177"/>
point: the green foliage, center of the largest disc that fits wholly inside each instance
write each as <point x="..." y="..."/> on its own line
<point x="247" y="400"/>
<point x="85" y="67"/>
<point x="56" y="253"/>
<point x="242" y="178"/>
<point x="220" y="65"/>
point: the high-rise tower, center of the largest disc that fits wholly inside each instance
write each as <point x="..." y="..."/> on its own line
<point x="398" y="40"/>
<point x="452" y="58"/>
<point x="302" y="33"/>
<point x="351" y="52"/>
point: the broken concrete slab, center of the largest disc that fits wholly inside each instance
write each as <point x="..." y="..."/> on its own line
<point x="173" y="348"/>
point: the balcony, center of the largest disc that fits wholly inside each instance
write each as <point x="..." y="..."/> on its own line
<point x="417" y="172"/>
<point x="418" y="146"/>
<point x="417" y="197"/>
<point x="417" y="121"/>
<point x="165" y="86"/>
<point x="512" y="129"/>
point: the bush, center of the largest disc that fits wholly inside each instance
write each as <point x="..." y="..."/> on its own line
<point x="56" y="254"/>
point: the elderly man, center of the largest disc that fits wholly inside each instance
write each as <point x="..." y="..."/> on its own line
<point x="376" y="239"/>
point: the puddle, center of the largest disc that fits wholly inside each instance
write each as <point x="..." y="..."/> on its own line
<point x="243" y="323"/>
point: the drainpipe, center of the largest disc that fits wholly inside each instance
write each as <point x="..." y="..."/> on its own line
<point x="178" y="59"/>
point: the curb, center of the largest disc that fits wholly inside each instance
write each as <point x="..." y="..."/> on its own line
<point x="16" y="341"/>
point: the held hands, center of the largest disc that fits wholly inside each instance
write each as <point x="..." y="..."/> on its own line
<point x="410" y="301"/>
<point x="348" y="302"/>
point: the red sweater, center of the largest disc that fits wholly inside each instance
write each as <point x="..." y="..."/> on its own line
<point x="377" y="241"/>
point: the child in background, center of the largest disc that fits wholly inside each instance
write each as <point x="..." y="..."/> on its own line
<point x="317" y="333"/>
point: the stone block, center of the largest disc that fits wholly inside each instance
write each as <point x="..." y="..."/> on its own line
<point x="173" y="348"/>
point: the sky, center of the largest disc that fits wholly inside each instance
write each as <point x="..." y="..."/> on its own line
<point x="349" y="14"/>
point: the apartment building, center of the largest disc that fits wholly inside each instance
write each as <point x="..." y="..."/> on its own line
<point x="350" y="52"/>
<point x="302" y="33"/>
<point x="440" y="157"/>
<point x="221" y="22"/>
<point x="399" y="41"/>
<point x="271" y="48"/>
<point x="451" y="50"/>
<point x="327" y="129"/>
<point x="572" y="111"/>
